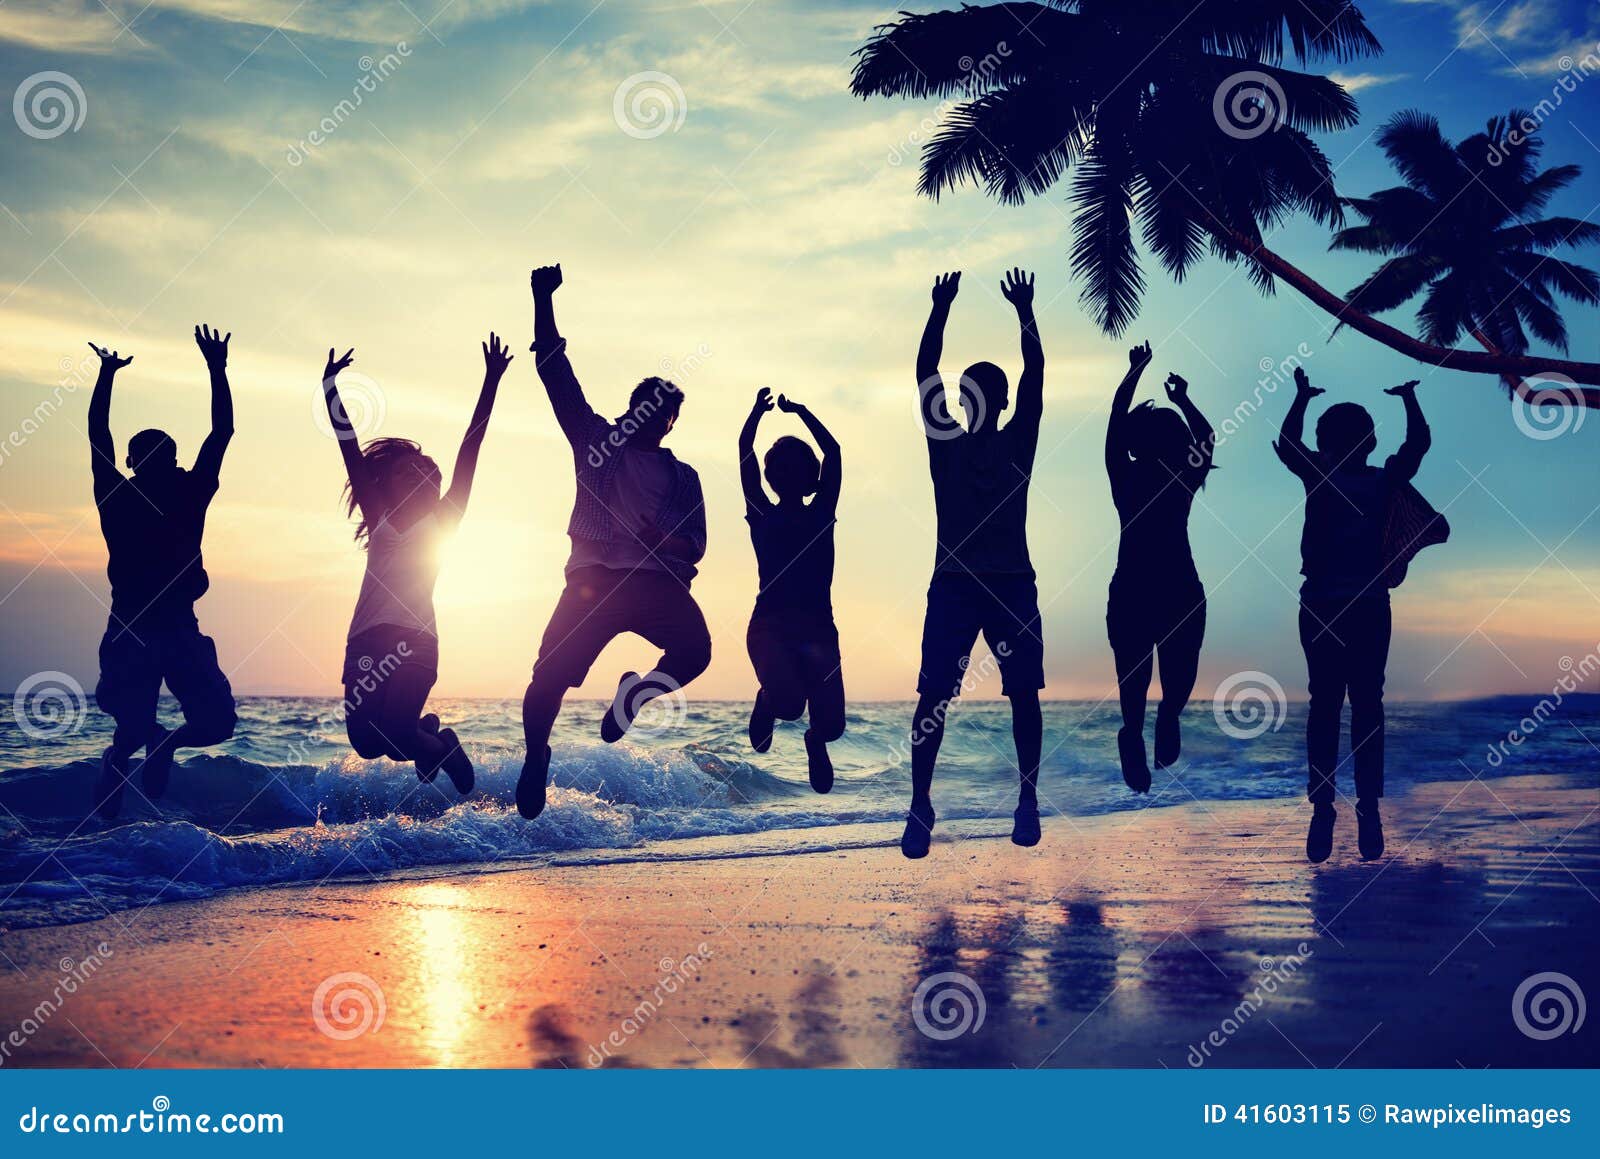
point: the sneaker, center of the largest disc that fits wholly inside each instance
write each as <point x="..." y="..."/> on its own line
<point x="919" y="832"/>
<point x="1169" y="738"/>
<point x="624" y="707"/>
<point x="1319" y="838"/>
<point x="531" y="785"/>
<point x="1369" y="830"/>
<point x="113" y="778"/>
<point x="761" y="722"/>
<point x="1135" y="770"/>
<point x="456" y="764"/>
<point x="155" y="771"/>
<point x="819" y="767"/>
<point x="1025" y="825"/>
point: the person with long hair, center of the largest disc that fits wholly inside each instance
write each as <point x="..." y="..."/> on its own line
<point x="392" y="651"/>
<point x="1156" y="459"/>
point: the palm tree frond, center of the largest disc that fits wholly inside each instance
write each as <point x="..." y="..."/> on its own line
<point x="1103" y="255"/>
<point x="964" y="52"/>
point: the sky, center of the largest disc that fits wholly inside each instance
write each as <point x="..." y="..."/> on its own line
<point x="764" y="232"/>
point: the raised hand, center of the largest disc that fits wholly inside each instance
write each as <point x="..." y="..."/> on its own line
<point x="110" y="358"/>
<point x="763" y="402"/>
<point x="1403" y="389"/>
<point x="496" y="356"/>
<point x="945" y="287"/>
<point x="212" y="348"/>
<point x="1177" y="387"/>
<point x="1017" y="288"/>
<point x="1302" y="384"/>
<point x="545" y="280"/>
<point x="788" y="406"/>
<point x="1139" y="357"/>
<point x="335" y="365"/>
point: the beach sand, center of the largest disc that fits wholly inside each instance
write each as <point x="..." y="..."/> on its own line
<point x="1161" y="937"/>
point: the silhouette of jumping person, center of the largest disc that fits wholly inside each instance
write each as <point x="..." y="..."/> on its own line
<point x="983" y="580"/>
<point x="1156" y="459"/>
<point x="792" y="640"/>
<point x="153" y="522"/>
<point x="638" y="528"/>
<point x="1348" y="557"/>
<point x="391" y="657"/>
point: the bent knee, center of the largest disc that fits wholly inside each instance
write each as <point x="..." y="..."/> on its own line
<point x="211" y="728"/>
<point x="828" y="729"/>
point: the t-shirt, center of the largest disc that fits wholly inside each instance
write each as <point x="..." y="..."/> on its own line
<point x="1153" y="510"/>
<point x="640" y="489"/>
<point x="1341" y="545"/>
<point x="153" y="526"/>
<point x="980" y="495"/>
<point x="794" y="556"/>
<point x="402" y="569"/>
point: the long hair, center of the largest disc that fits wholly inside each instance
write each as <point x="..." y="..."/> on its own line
<point x="1160" y="440"/>
<point x="382" y="458"/>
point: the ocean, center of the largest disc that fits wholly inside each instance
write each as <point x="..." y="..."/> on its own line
<point x="286" y="801"/>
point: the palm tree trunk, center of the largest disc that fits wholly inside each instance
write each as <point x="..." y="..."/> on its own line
<point x="1581" y="396"/>
<point x="1513" y="368"/>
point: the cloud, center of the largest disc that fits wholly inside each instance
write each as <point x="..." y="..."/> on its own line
<point x="1357" y="81"/>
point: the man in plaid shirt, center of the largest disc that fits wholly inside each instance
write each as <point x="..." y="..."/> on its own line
<point x="638" y="529"/>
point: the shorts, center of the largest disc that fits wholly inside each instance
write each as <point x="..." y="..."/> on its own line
<point x="1005" y="608"/>
<point x="136" y="658"/>
<point x="380" y="650"/>
<point x="797" y="663"/>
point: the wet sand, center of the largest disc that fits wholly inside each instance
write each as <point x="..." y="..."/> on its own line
<point x="1164" y="937"/>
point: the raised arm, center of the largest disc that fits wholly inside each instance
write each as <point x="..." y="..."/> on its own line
<point x="102" y="448"/>
<point x="945" y="287"/>
<point x="1121" y="400"/>
<point x="573" y="412"/>
<point x="1017" y="288"/>
<point x="1203" y="438"/>
<point x="832" y="466"/>
<point x="755" y="496"/>
<point x="345" y="434"/>
<point x="1408" y="458"/>
<point x="215" y="351"/>
<point x="495" y="360"/>
<point x="1291" y="446"/>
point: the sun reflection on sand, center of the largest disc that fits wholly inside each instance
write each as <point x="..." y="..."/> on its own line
<point x="447" y="1002"/>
